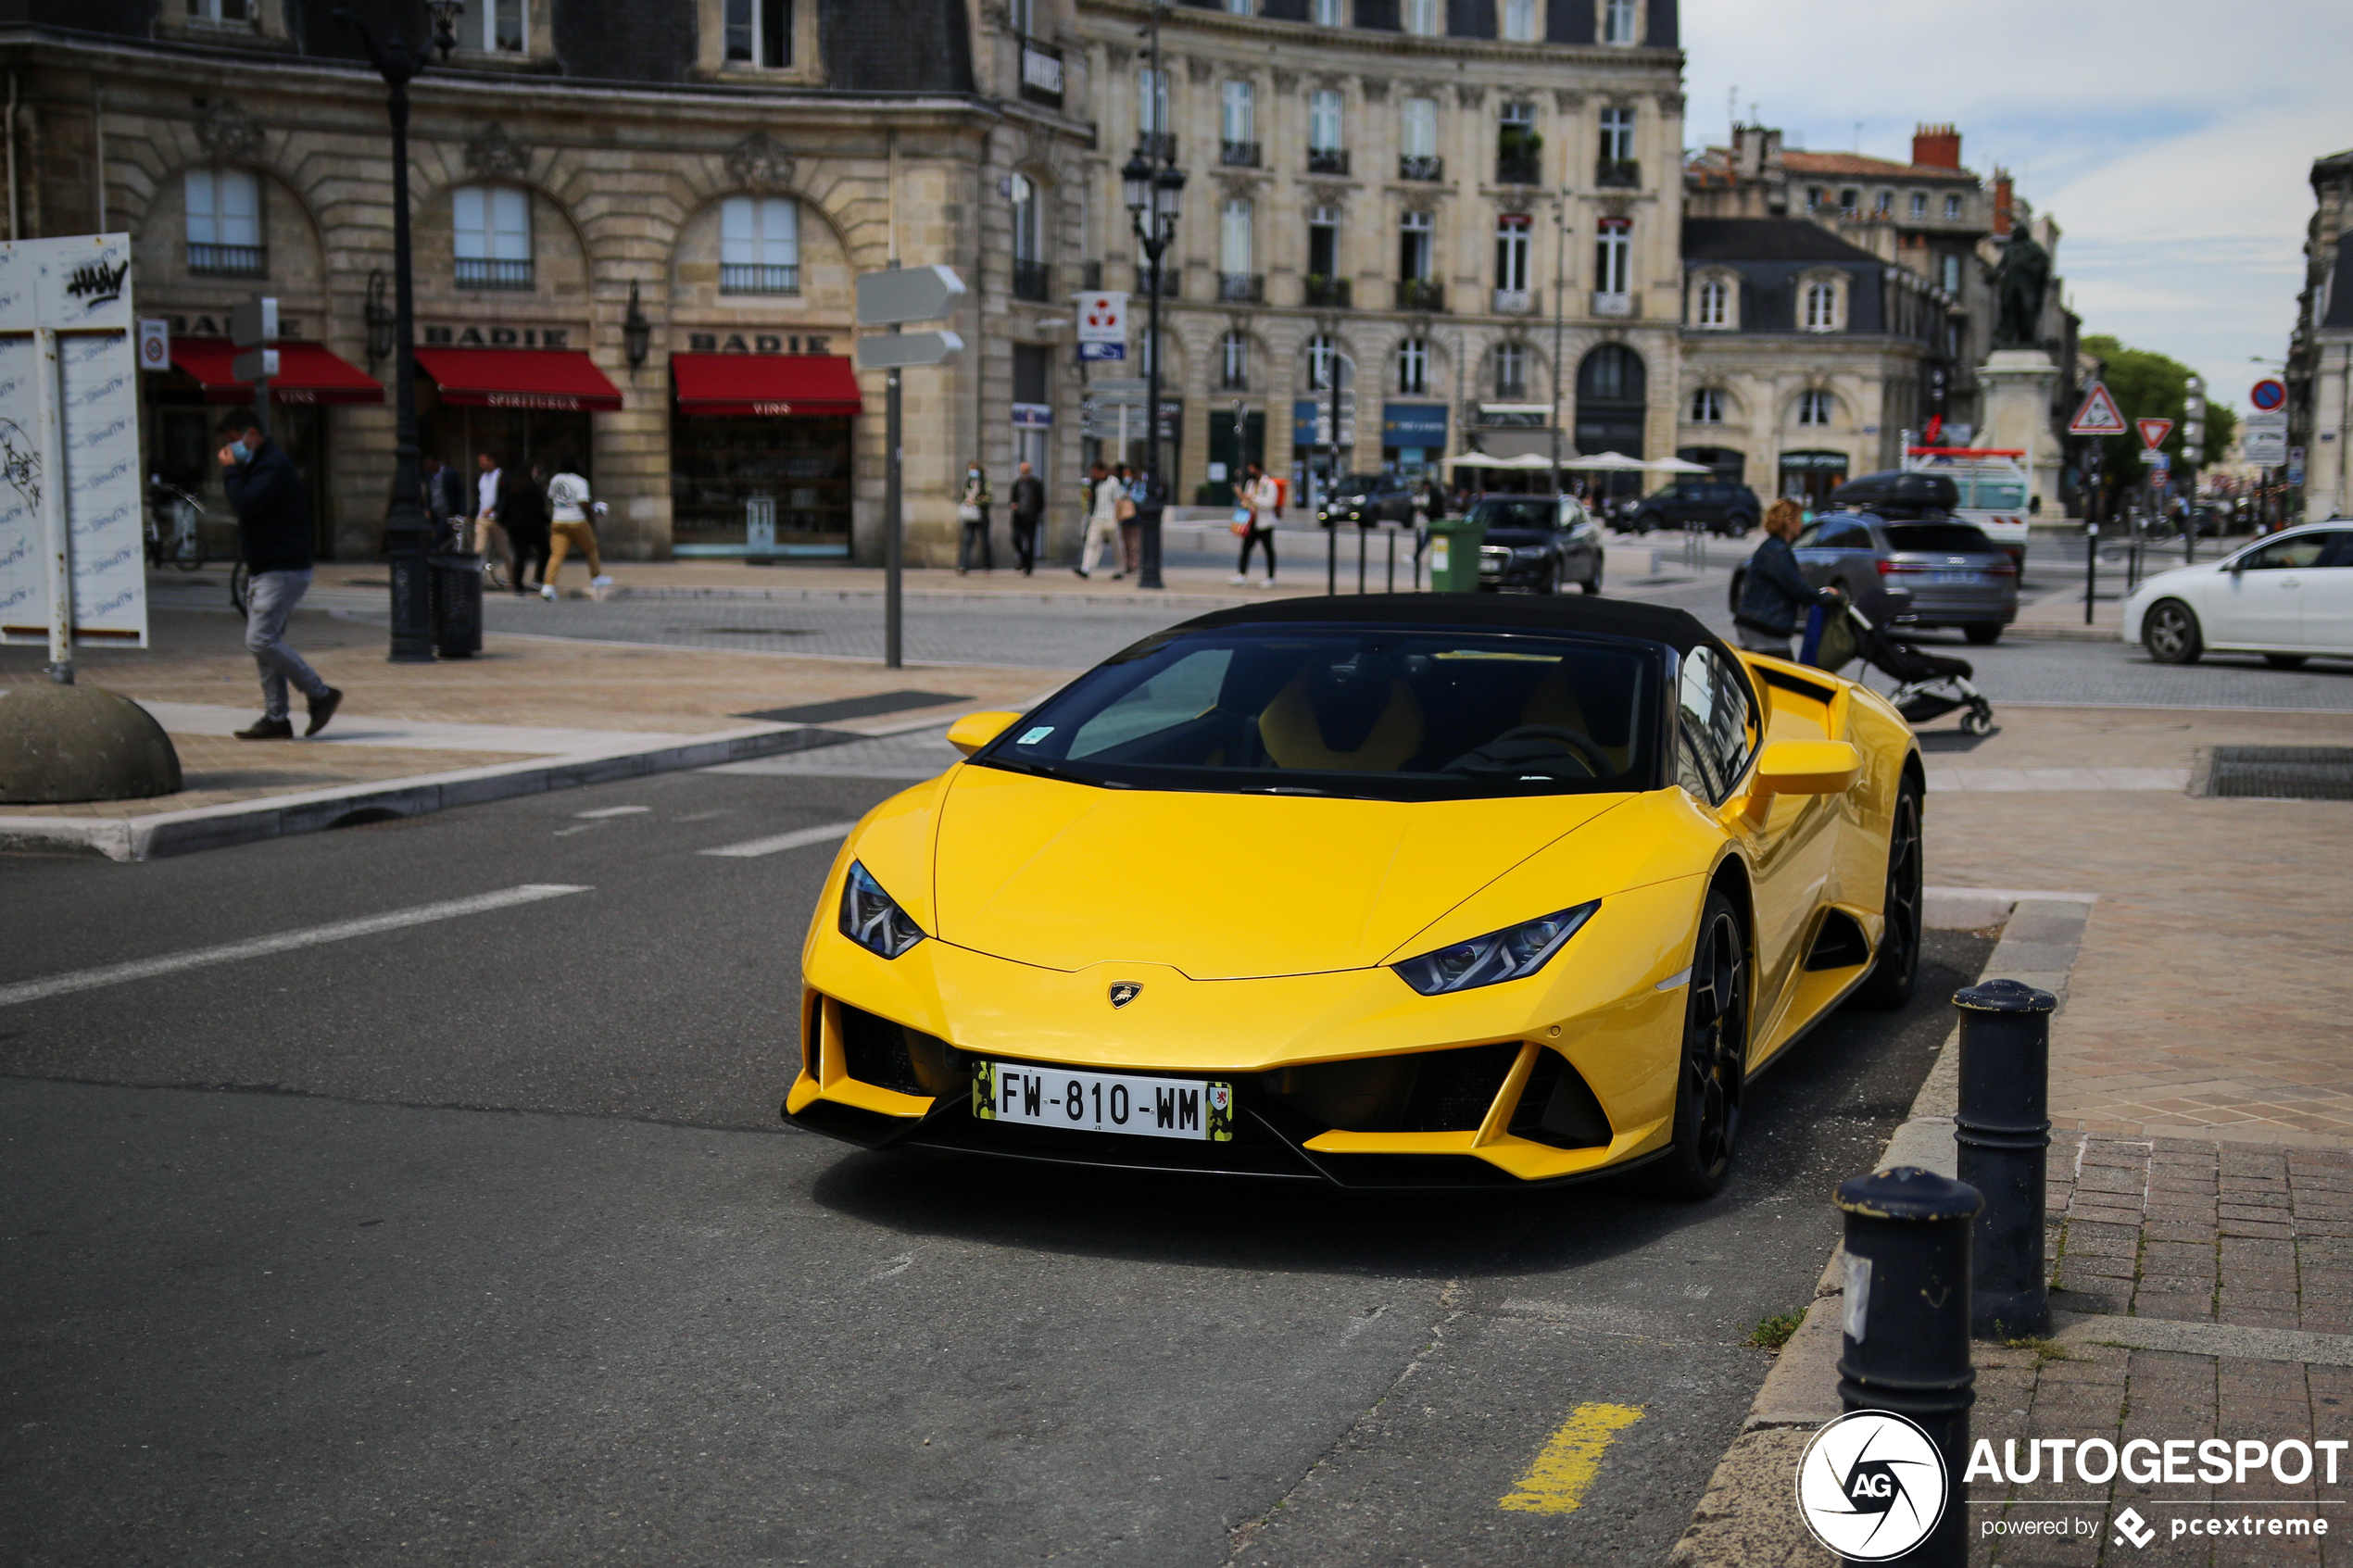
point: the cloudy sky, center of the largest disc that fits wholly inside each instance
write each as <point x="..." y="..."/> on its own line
<point x="2171" y="140"/>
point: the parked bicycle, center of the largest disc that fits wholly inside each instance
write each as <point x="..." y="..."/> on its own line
<point x="175" y="531"/>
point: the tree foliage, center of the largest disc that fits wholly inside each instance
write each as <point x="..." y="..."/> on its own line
<point x="2148" y="386"/>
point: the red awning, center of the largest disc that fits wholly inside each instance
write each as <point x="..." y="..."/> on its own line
<point x="306" y="373"/>
<point x="765" y="384"/>
<point x="561" y="378"/>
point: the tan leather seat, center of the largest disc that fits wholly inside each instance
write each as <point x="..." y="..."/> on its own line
<point x="1288" y="730"/>
<point x="1554" y="702"/>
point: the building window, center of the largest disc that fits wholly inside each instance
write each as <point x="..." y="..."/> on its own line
<point x="1238" y="7"/>
<point x="493" y="233"/>
<point x="1233" y="238"/>
<point x="224" y="223"/>
<point x="1425" y="17"/>
<point x="1617" y="136"/>
<point x="1712" y="307"/>
<point x="1849" y="201"/>
<point x="223" y="10"/>
<point x="502" y="26"/>
<point x="1511" y="252"/>
<point x="1951" y="206"/>
<point x="1510" y="372"/>
<point x="1821" y="307"/>
<point x="1885" y="204"/>
<point x="1233" y="363"/>
<point x="760" y="244"/>
<point x="1417" y="128"/>
<point x="1619" y="23"/>
<point x="1413" y="237"/>
<point x="1919" y="204"/>
<point x="1319" y="363"/>
<point x="1327" y="13"/>
<point x="1152" y="102"/>
<point x="1029" y="240"/>
<point x="1613" y="247"/>
<point x="1707" y="407"/>
<point x="1519" y="22"/>
<point x="1241" y="117"/>
<point x="1324" y="120"/>
<point x="1813" y="198"/>
<point x="1814" y="407"/>
<point x="1323" y="242"/>
<point x="1413" y="366"/>
<point x="1952" y="275"/>
<point x="1024" y="18"/>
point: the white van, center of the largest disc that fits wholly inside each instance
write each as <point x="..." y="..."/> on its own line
<point x="1993" y="486"/>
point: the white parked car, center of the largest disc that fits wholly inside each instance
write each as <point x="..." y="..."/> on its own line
<point x="2288" y="596"/>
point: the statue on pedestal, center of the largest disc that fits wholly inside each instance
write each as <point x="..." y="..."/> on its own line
<point x="2021" y="279"/>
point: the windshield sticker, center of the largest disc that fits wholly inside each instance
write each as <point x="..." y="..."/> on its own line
<point x="1031" y="738"/>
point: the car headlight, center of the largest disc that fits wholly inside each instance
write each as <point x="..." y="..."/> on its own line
<point x="1513" y="953"/>
<point x="873" y="918"/>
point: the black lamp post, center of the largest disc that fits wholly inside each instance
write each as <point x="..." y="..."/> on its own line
<point x="1155" y="190"/>
<point x="407" y="537"/>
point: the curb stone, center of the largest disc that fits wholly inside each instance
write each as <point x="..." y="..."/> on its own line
<point x="1747" y="1517"/>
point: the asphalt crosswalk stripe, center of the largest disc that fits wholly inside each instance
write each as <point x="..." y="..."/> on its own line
<point x="1557" y="1482"/>
<point x="283" y="942"/>
<point x="752" y="846"/>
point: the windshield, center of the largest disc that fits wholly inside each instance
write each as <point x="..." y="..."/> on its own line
<point x="1507" y="513"/>
<point x="1999" y="494"/>
<point x="1357" y="484"/>
<point x="1951" y="538"/>
<point x="1373" y="713"/>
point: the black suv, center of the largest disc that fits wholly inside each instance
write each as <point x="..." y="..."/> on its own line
<point x="1720" y="506"/>
<point x="1366" y="499"/>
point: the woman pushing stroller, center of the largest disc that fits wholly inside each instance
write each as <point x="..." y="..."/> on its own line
<point x="1775" y="595"/>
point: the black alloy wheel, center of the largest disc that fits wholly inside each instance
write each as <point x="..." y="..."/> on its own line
<point x="1714" y="1070"/>
<point x="1592" y="584"/>
<point x="1897" y="964"/>
<point x="2171" y="633"/>
<point x="1551" y="582"/>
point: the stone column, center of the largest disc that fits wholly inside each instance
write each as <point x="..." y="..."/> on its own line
<point x="2018" y="414"/>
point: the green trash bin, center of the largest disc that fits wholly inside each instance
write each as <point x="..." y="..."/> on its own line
<point x="1453" y="554"/>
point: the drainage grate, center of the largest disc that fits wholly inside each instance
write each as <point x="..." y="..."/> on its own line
<point x="2281" y="773"/>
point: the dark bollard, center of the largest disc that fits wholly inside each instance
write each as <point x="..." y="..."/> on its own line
<point x="1906" y="1349"/>
<point x="2004" y="1130"/>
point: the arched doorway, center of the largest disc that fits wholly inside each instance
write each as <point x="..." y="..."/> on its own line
<point x="1612" y="385"/>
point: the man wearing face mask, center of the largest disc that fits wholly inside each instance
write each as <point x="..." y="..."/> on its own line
<point x="273" y="536"/>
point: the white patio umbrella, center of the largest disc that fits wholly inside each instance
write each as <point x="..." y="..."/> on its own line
<point x="1604" y="462"/>
<point x="1677" y="465"/>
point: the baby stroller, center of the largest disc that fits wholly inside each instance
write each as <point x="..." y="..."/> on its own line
<point x="1928" y="686"/>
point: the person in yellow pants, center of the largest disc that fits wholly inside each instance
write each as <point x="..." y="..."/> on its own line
<point x="568" y="503"/>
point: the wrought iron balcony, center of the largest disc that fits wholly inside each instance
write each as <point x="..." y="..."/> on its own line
<point x="1171" y="280"/>
<point x="1420" y="294"/>
<point x="480" y="272"/>
<point x="1420" y="166"/>
<point x="1238" y="154"/>
<point x="1514" y="302"/>
<point x="1158" y="145"/>
<point x="1617" y="173"/>
<point x="228" y="261"/>
<point x="736" y="277"/>
<point x="1041" y="73"/>
<point x="1242" y="288"/>
<point x="1032" y="281"/>
<point x="1330" y="293"/>
<point x="1327" y="160"/>
<point x="1520" y="167"/>
<point x="1090" y="274"/>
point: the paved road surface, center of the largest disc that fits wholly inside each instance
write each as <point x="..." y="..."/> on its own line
<point x="476" y="1240"/>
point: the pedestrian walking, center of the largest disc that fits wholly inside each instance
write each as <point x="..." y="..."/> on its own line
<point x="444" y="501"/>
<point x="972" y="511"/>
<point x="1106" y="495"/>
<point x="1131" y="523"/>
<point x="486" y="528"/>
<point x="1255" y="501"/>
<point x="522" y="512"/>
<point x="273" y="537"/>
<point x="1775" y="595"/>
<point x="1029" y="512"/>
<point x="573" y="527"/>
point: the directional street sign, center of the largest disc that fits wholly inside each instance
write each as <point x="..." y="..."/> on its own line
<point x="2099" y="416"/>
<point x="907" y="293"/>
<point x="2269" y="393"/>
<point x="255" y="365"/>
<point x="883" y="351"/>
<point x="2153" y="431"/>
<point x="254" y="323"/>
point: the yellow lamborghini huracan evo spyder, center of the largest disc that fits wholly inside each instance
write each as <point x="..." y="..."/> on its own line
<point x="1401" y="891"/>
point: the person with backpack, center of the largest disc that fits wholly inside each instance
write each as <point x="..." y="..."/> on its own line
<point x="1257" y="502"/>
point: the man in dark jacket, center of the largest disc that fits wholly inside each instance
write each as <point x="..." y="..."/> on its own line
<point x="1029" y="509"/>
<point x="273" y="536"/>
<point x="1775" y="596"/>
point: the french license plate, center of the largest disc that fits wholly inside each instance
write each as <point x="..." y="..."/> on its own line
<point x="1945" y="579"/>
<point x="1103" y="1102"/>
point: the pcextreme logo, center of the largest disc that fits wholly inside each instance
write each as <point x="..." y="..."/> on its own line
<point x="1871" y="1485"/>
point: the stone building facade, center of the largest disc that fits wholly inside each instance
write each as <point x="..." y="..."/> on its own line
<point x="2320" y="364"/>
<point x="635" y="228"/>
<point x="1411" y="181"/>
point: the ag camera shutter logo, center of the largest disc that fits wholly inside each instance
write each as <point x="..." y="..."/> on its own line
<point x="1871" y="1485"/>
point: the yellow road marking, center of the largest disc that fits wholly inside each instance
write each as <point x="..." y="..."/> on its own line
<point x="1556" y="1482"/>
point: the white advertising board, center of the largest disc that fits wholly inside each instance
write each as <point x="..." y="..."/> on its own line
<point x="69" y="439"/>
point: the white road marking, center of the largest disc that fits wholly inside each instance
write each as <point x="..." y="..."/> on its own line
<point x="283" y="942"/>
<point x="896" y="1266"/>
<point x="752" y="846"/>
<point x="612" y="811"/>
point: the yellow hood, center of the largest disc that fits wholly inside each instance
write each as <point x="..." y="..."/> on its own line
<point x="1216" y="887"/>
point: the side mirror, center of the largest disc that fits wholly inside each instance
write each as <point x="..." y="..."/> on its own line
<point x="974" y="731"/>
<point x="1803" y="767"/>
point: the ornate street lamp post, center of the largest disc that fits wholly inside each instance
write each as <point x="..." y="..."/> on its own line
<point x="1155" y="191"/>
<point x="405" y="537"/>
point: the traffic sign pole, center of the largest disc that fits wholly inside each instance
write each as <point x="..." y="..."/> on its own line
<point x="888" y="298"/>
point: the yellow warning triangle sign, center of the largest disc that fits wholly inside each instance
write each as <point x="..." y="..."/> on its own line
<point x="2099" y="416"/>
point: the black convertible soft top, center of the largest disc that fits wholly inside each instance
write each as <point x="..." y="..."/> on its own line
<point x="1486" y="613"/>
